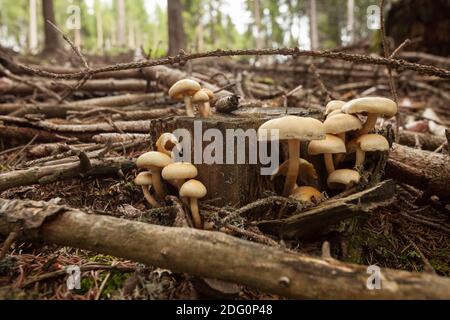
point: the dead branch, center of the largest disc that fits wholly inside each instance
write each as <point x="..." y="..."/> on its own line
<point x="182" y="58"/>
<point x="49" y="174"/>
<point x="216" y="255"/>
<point x="428" y="171"/>
<point x="426" y="140"/>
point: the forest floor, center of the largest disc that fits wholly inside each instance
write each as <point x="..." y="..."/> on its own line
<point x="410" y="234"/>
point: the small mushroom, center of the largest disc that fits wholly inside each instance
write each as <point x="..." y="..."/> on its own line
<point x="373" y="107"/>
<point x="185" y="89"/>
<point x="331" y="145"/>
<point x="333" y="113"/>
<point x="333" y="105"/>
<point x="202" y="98"/>
<point x="339" y="125"/>
<point x="306" y="169"/>
<point x="293" y="129"/>
<point x="155" y="161"/>
<point x="177" y="173"/>
<point x="307" y="194"/>
<point x="194" y="190"/>
<point x="166" y="143"/>
<point x="144" y="179"/>
<point x="343" y="179"/>
<point x="368" y="143"/>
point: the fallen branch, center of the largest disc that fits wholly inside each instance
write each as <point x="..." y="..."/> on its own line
<point x="49" y="174"/>
<point x="425" y="170"/>
<point x="217" y="255"/>
<point x="427" y="141"/>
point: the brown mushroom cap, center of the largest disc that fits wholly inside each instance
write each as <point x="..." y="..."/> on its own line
<point x="182" y="88"/>
<point x="200" y="96"/>
<point x="179" y="170"/>
<point x="153" y="159"/>
<point x="372" y="142"/>
<point x="144" y="179"/>
<point x="193" y="189"/>
<point x="375" y="105"/>
<point x="306" y="194"/>
<point x="334" y="105"/>
<point x="209" y="93"/>
<point x="341" y="123"/>
<point x="166" y="143"/>
<point x="293" y="127"/>
<point x="330" y="145"/>
<point x="343" y="178"/>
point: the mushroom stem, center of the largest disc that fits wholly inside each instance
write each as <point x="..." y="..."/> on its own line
<point x="157" y="183"/>
<point x="189" y="109"/>
<point x="195" y="214"/>
<point x="328" y="157"/>
<point x="177" y="184"/>
<point x="360" y="157"/>
<point x="370" y="124"/>
<point x="149" y="197"/>
<point x="205" y="110"/>
<point x="293" y="169"/>
<point x="339" y="157"/>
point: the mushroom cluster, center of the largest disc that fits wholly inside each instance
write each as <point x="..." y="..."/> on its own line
<point x="159" y="167"/>
<point x="194" y="96"/>
<point x="342" y="133"/>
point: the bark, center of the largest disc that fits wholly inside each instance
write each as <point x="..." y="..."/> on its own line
<point x="52" y="37"/>
<point x="177" y="37"/>
<point x="50" y="174"/>
<point x="351" y="20"/>
<point x="216" y="255"/>
<point x="425" y="170"/>
<point x="99" y="26"/>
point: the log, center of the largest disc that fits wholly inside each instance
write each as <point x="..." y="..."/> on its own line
<point x="101" y="85"/>
<point x="425" y="170"/>
<point x="60" y="110"/>
<point x="213" y="255"/>
<point x="50" y="174"/>
<point x="427" y="141"/>
<point x="311" y="223"/>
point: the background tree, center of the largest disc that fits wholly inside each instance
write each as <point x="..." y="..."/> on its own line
<point x="52" y="38"/>
<point x="177" y="37"/>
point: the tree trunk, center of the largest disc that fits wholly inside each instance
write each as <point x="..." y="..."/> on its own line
<point x="258" y="29"/>
<point x="99" y="21"/>
<point x="33" y="38"/>
<point x="177" y="37"/>
<point x="351" y="21"/>
<point x="217" y="255"/>
<point x="52" y="37"/>
<point x="121" y="23"/>
<point x="314" y="32"/>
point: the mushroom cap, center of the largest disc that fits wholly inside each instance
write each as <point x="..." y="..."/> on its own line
<point x="144" y="179"/>
<point x="200" y="96"/>
<point x="305" y="167"/>
<point x="331" y="144"/>
<point x="209" y="93"/>
<point x="376" y="105"/>
<point x="373" y="142"/>
<point x="193" y="189"/>
<point x="182" y="88"/>
<point x="179" y="170"/>
<point x="343" y="178"/>
<point x="166" y="142"/>
<point x="341" y="123"/>
<point x="333" y="113"/>
<point x="153" y="159"/>
<point x="334" y="105"/>
<point x="292" y="127"/>
<point x="306" y="194"/>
